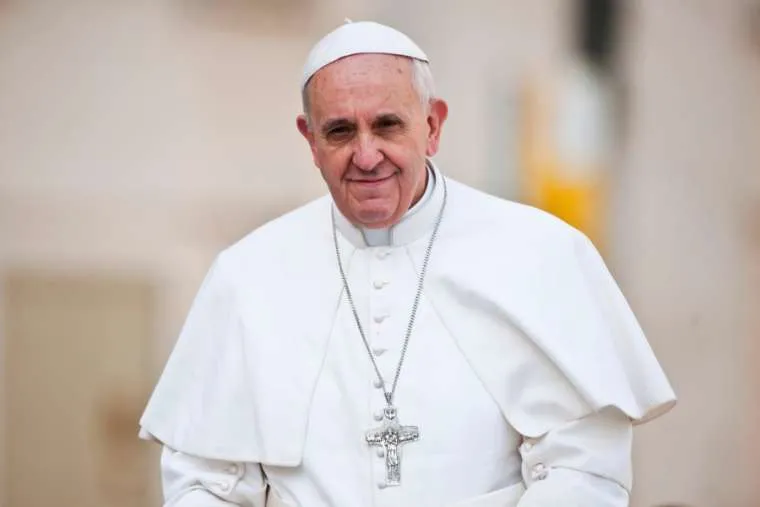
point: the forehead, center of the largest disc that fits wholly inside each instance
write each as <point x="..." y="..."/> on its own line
<point x="368" y="80"/>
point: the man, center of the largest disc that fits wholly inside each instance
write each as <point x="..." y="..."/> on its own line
<point x="406" y="341"/>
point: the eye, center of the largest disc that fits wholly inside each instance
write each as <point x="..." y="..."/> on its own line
<point x="339" y="132"/>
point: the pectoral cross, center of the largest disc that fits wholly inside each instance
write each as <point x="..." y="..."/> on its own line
<point x="390" y="436"/>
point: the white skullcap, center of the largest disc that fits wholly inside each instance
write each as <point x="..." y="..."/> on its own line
<point x="355" y="38"/>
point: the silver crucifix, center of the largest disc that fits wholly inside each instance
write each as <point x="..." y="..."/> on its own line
<point x="390" y="436"/>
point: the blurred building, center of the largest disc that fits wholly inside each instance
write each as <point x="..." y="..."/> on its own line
<point x="139" y="138"/>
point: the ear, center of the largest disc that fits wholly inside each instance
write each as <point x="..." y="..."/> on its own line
<point x="439" y="111"/>
<point x="303" y="127"/>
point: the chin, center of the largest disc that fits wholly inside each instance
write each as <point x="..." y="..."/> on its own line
<point x="376" y="218"/>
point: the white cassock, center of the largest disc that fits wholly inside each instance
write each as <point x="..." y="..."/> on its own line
<point x="525" y="372"/>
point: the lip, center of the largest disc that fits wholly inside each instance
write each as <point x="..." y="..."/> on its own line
<point x="373" y="182"/>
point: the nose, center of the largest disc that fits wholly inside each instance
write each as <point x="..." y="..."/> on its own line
<point x="366" y="154"/>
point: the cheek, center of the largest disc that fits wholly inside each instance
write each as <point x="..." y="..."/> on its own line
<point x="416" y="146"/>
<point x="410" y="158"/>
<point x="406" y="152"/>
<point x="333" y="164"/>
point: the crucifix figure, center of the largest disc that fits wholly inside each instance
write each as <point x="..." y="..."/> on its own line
<point x="390" y="436"/>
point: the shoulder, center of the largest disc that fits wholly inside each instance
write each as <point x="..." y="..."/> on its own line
<point x="500" y="223"/>
<point x="277" y="241"/>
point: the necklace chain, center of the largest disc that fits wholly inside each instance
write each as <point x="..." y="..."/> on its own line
<point x="420" y="283"/>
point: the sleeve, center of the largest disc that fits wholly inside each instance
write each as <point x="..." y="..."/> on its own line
<point x="189" y="481"/>
<point x="585" y="462"/>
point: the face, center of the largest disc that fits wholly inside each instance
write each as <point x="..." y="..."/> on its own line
<point x="369" y="136"/>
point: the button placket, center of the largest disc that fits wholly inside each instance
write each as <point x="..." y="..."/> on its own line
<point x="388" y="336"/>
<point x="379" y="334"/>
<point x="380" y="296"/>
<point x="383" y="253"/>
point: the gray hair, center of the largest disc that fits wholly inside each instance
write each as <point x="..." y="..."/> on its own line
<point x="422" y="80"/>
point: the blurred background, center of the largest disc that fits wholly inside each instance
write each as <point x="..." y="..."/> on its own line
<point x="140" y="137"/>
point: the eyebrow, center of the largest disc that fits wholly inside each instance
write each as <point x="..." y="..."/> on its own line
<point x="387" y="118"/>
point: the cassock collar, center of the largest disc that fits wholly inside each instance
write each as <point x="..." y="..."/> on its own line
<point x="415" y="224"/>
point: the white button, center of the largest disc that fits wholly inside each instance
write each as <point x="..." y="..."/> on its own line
<point x="527" y="446"/>
<point x="380" y="317"/>
<point x="379" y="351"/>
<point x="379" y="284"/>
<point x="232" y="469"/>
<point x="378" y="416"/>
<point x="224" y="486"/>
<point x="377" y="383"/>
<point x="538" y="472"/>
<point x="380" y="452"/>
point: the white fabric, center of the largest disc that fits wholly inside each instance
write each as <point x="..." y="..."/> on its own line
<point x="586" y="462"/>
<point x="525" y="299"/>
<point x="465" y="440"/>
<point x="190" y="481"/>
<point x="355" y="38"/>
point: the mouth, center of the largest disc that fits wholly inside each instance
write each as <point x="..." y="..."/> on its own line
<point x="372" y="182"/>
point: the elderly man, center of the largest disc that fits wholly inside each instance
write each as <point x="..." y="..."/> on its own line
<point x="406" y="340"/>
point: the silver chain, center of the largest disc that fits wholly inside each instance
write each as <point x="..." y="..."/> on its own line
<point x="417" y="297"/>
